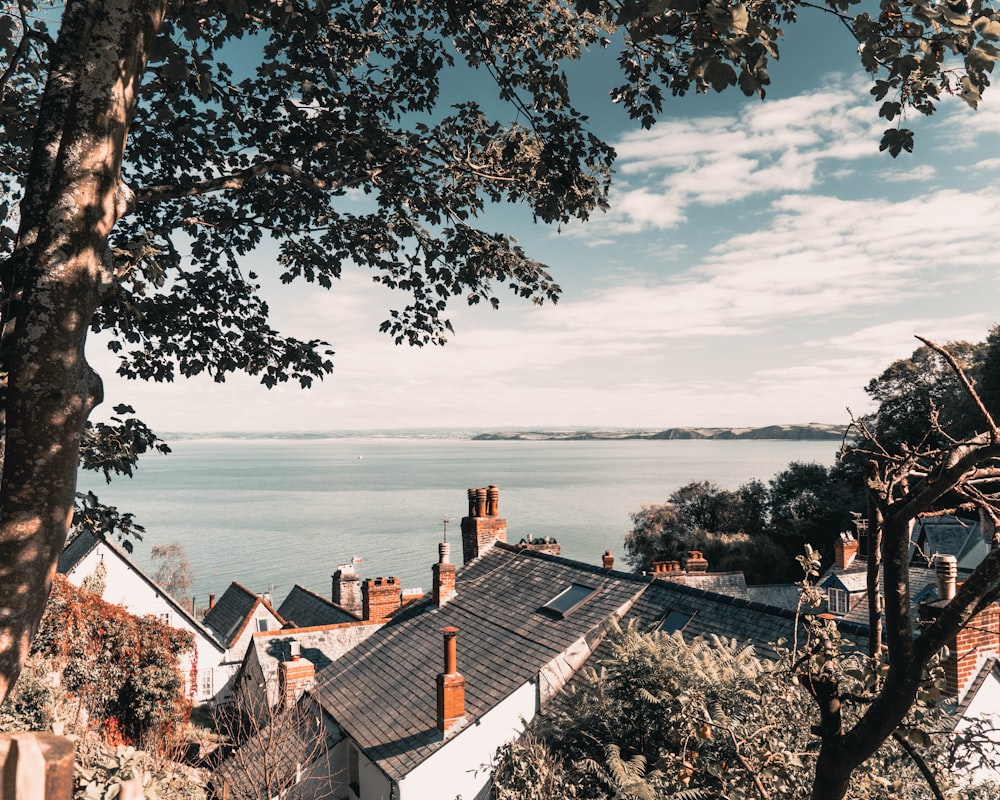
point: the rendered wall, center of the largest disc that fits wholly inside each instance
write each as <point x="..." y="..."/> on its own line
<point x="462" y="766"/>
<point x="123" y="586"/>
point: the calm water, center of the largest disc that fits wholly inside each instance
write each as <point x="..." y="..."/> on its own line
<point x="272" y="513"/>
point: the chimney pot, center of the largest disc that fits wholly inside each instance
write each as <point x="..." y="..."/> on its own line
<point x="211" y="601"/>
<point x="450" y="685"/>
<point x="295" y="650"/>
<point x="947" y="571"/>
<point x="608" y="560"/>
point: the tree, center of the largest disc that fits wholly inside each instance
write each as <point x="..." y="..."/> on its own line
<point x="145" y="243"/>
<point x="922" y="478"/>
<point x="811" y="504"/>
<point x="704" y="718"/>
<point x="911" y="391"/>
<point x="171" y="569"/>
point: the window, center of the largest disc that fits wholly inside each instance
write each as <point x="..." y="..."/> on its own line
<point x="838" y="600"/>
<point x="568" y="600"/>
<point x="261" y="625"/>
<point x="206" y="684"/>
<point x="674" y="621"/>
<point x="353" y="778"/>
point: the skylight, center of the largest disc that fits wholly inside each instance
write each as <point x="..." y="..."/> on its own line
<point x="568" y="600"/>
<point x="674" y="621"/>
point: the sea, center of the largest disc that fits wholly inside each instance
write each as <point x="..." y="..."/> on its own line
<point x="273" y="512"/>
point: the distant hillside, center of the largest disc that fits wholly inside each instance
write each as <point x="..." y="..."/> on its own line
<point x="809" y="431"/>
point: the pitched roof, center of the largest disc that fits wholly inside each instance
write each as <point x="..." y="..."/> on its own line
<point x="711" y="613"/>
<point x="306" y="608"/>
<point x="84" y="542"/>
<point x="948" y="535"/>
<point x="229" y="616"/>
<point x="383" y="692"/>
<point x="76" y="551"/>
<point x="733" y="584"/>
<point x="270" y="759"/>
<point x="322" y="645"/>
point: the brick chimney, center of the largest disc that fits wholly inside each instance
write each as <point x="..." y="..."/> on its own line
<point x="696" y="562"/>
<point x="608" y="560"/>
<point x="844" y="550"/>
<point x="443" y="575"/>
<point x="347" y="589"/>
<point x="977" y="642"/>
<point x="295" y="675"/>
<point x="450" y="686"/>
<point x="484" y="525"/>
<point x="380" y="597"/>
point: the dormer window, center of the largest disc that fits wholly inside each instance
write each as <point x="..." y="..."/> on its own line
<point x="568" y="600"/>
<point x="674" y="621"/>
<point x="838" y="600"/>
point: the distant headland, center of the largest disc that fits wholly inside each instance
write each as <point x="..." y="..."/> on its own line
<point x="811" y="431"/>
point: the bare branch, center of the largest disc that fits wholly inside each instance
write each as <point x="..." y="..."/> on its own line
<point x="918" y="759"/>
<point x="967" y="385"/>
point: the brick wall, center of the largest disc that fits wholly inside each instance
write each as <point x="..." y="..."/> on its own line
<point x="380" y="597"/>
<point x="979" y="640"/>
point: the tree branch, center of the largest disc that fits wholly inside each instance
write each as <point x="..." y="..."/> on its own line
<point x="918" y="759"/>
<point x="238" y="180"/>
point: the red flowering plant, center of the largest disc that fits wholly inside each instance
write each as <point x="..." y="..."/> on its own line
<point x="123" y="670"/>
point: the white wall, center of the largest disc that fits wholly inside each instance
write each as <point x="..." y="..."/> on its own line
<point x="985" y="706"/>
<point x="462" y="767"/>
<point x="125" y="587"/>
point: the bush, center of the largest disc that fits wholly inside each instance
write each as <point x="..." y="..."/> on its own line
<point x="124" y="670"/>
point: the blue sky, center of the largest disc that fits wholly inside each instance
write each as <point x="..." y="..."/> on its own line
<point x="760" y="262"/>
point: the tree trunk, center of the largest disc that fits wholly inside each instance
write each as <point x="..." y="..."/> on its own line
<point x="52" y="285"/>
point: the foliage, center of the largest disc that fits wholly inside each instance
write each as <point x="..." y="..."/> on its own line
<point x="171" y="569"/>
<point x="812" y="504"/>
<point x="912" y="391"/>
<point x="705" y="718"/>
<point x="757" y="529"/>
<point x="31" y="706"/>
<point x="100" y="772"/>
<point x="915" y="52"/>
<point x="123" y="670"/>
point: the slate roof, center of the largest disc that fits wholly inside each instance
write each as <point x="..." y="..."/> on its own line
<point x="949" y="535"/>
<point x="383" y="692"/>
<point x="733" y="584"/>
<point x="923" y="586"/>
<point x="76" y="551"/>
<point x="268" y="760"/>
<point x="736" y="618"/>
<point x="304" y="608"/>
<point x="229" y="615"/>
<point x="322" y="645"/>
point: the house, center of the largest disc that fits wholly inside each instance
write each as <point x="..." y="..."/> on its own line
<point x="969" y="669"/>
<point x="435" y="690"/>
<point x="126" y="585"/>
<point x="949" y="535"/>
<point x="233" y="620"/>
<point x="694" y="572"/>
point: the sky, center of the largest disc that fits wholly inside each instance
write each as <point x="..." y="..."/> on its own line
<point x="760" y="263"/>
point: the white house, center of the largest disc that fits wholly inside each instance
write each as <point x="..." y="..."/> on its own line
<point x="128" y="586"/>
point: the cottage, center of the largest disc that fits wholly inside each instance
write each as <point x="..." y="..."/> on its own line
<point x="128" y="586"/>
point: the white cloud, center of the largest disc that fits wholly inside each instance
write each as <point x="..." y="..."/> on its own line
<point x="776" y="146"/>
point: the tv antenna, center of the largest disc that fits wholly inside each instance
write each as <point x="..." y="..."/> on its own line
<point x="446" y="520"/>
